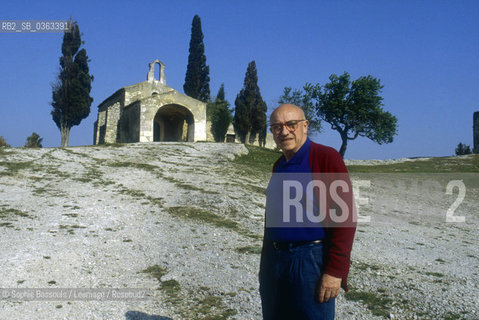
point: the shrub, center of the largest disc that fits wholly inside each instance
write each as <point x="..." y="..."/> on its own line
<point x="34" y="141"/>
<point x="3" y="143"/>
<point x="462" y="149"/>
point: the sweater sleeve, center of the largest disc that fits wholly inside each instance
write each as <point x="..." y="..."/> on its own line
<point x="329" y="164"/>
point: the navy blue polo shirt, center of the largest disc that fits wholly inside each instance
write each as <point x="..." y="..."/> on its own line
<point x="287" y="170"/>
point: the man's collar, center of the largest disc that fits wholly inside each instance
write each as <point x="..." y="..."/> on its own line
<point x="298" y="156"/>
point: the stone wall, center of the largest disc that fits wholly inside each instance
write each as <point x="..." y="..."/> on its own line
<point x="144" y="90"/>
<point x="100" y="127"/>
<point x="109" y="112"/>
<point x="129" y="125"/>
<point x="209" y="134"/>
<point x="475" y="129"/>
<point x="95" y="132"/>
<point x="112" y="118"/>
<point x="269" y="144"/>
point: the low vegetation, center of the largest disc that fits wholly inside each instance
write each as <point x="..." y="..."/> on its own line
<point x="14" y="167"/>
<point x="378" y="304"/>
<point x="156" y="271"/>
<point x="205" y="306"/>
<point x="260" y="160"/>
<point x="7" y="212"/>
<point x="468" y="164"/>
<point x="257" y="160"/>
<point x="249" y="249"/>
<point x="203" y="216"/>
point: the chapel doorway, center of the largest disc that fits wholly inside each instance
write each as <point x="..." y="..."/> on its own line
<point x="173" y="122"/>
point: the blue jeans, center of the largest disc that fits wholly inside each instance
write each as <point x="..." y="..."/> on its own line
<point x="288" y="281"/>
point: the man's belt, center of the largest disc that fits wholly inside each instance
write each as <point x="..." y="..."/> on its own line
<point x="285" y="245"/>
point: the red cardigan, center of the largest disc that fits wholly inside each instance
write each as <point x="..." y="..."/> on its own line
<point x="324" y="159"/>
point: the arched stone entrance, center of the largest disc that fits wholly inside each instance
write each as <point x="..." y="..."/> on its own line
<point x="173" y="122"/>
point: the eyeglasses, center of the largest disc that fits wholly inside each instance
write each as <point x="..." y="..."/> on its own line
<point x="291" y="126"/>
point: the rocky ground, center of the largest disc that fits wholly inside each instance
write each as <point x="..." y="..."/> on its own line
<point x="184" y="223"/>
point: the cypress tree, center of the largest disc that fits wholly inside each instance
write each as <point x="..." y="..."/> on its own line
<point x="241" y="121"/>
<point x="258" y="120"/>
<point x="250" y="109"/>
<point x="71" y="93"/>
<point x="220" y="116"/>
<point x="197" y="79"/>
<point x="221" y="93"/>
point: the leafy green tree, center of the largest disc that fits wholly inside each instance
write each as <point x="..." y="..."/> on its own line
<point x="250" y="109"/>
<point x="71" y="92"/>
<point x="197" y="79"/>
<point x="462" y="149"/>
<point x="3" y="142"/>
<point x="353" y="109"/>
<point x="34" y="141"/>
<point x="304" y="101"/>
<point x="220" y="115"/>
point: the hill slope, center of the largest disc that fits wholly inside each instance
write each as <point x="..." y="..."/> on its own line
<point x="186" y="221"/>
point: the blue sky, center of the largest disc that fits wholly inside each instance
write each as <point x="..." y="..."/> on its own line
<point x="426" y="54"/>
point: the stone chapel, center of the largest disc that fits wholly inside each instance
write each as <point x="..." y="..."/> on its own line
<point x="150" y="111"/>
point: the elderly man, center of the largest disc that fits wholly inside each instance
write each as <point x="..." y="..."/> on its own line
<point x="304" y="265"/>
